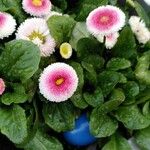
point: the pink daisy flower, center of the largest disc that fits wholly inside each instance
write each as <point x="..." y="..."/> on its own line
<point x="37" y="7"/>
<point x="58" y="82"/>
<point x="2" y="86"/>
<point x="105" y="20"/>
<point x="36" y="31"/>
<point x="7" y="25"/>
<point x="111" y="40"/>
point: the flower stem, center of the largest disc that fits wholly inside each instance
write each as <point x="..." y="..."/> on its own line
<point x="131" y="3"/>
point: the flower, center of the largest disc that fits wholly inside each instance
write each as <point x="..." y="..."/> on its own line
<point x="139" y="29"/>
<point x="52" y="13"/>
<point x="105" y="20"/>
<point x="37" y="7"/>
<point x="66" y="50"/>
<point x="7" y="25"/>
<point x="58" y="82"/>
<point x="2" y="86"/>
<point x="147" y="2"/>
<point x="36" y="30"/>
<point x="111" y="40"/>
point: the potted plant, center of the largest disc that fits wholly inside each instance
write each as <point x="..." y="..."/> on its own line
<point x="74" y="74"/>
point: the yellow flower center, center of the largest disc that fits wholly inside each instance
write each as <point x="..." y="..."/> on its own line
<point x="66" y="50"/>
<point x="104" y="19"/>
<point x="37" y="34"/>
<point x="59" y="81"/>
<point x="37" y="2"/>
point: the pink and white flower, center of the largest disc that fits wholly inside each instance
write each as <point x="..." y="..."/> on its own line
<point x="111" y="40"/>
<point x="7" y="25"/>
<point x="58" y="82"/>
<point x="2" y="86"/>
<point x="36" y="30"/>
<point x="37" y="7"/>
<point x="105" y="20"/>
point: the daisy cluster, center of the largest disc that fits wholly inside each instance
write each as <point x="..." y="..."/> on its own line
<point x="105" y="22"/>
<point x="59" y="81"/>
<point x="61" y="59"/>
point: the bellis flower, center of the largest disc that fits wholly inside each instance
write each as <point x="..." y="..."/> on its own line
<point x="139" y="29"/>
<point x="36" y="30"/>
<point x="58" y="82"/>
<point x="7" y="25"/>
<point x="2" y="86"/>
<point x="37" y="8"/>
<point x="105" y="20"/>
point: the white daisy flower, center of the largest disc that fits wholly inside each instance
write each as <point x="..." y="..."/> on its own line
<point x="139" y="29"/>
<point x="147" y="2"/>
<point x="36" y="30"/>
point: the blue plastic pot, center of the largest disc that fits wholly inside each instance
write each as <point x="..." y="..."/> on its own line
<point x="81" y="135"/>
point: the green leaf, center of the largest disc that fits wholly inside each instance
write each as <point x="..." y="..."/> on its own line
<point x="101" y="125"/>
<point x="94" y="99"/>
<point x="86" y="6"/>
<point x="131" y="89"/>
<point x="90" y="73"/>
<point x="60" y="117"/>
<point x="118" y="63"/>
<point x="18" y="95"/>
<point x="142" y="71"/>
<point x="62" y="4"/>
<point x="142" y="13"/>
<point x="61" y="28"/>
<point x="113" y="2"/>
<point x="42" y="141"/>
<point x="143" y="96"/>
<point x="78" y="33"/>
<point x="132" y="117"/>
<point x="13" y="7"/>
<point x="123" y="78"/>
<point x="78" y="100"/>
<point x="117" y="142"/>
<point x="79" y="70"/>
<point x="87" y="46"/>
<point x="32" y="123"/>
<point x="126" y="44"/>
<point x="98" y="62"/>
<point x="116" y="98"/>
<point x="107" y="81"/>
<point x="84" y="11"/>
<point x="96" y="2"/>
<point x="146" y="108"/>
<point x="13" y="123"/>
<point x="143" y="138"/>
<point x="20" y="60"/>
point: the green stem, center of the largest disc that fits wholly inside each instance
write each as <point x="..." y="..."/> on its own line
<point x="131" y="3"/>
